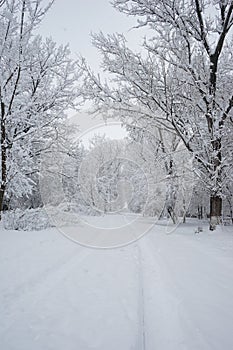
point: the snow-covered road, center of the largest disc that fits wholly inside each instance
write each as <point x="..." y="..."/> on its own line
<point x="165" y="292"/>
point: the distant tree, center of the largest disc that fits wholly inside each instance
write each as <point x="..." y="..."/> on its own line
<point x="168" y="168"/>
<point x="100" y="173"/>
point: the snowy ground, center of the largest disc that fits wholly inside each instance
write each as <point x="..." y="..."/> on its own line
<point x="165" y="291"/>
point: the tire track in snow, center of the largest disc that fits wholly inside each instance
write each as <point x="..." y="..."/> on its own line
<point x="168" y="322"/>
<point x="36" y="301"/>
<point x="141" y="339"/>
<point x="141" y="301"/>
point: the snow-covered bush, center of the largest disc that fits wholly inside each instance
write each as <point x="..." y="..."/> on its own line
<point x="26" y="220"/>
<point x="41" y="218"/>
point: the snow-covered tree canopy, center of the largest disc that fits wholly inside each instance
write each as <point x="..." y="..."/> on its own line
<point x="37" y="85"/>
<point x="182" y="78"/>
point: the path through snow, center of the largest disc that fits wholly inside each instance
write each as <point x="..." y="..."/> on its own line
<point x="165" y="292"/>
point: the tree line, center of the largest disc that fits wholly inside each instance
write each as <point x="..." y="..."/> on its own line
<point x="179" y="84"/>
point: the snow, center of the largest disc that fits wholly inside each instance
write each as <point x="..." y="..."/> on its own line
<point x="165" y="291"/>
<point x="40" y="218"/>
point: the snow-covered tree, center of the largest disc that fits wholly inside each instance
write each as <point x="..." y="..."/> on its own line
<point x="168" y="169"/>
<point x="60" y="162"/>
<point x="37" y="85"/>
<point x="99" y="173"/>
<point x="181" y="80"/>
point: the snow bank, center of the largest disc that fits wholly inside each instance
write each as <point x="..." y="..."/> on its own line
<point x="62" y="215"/>
<point x="26" y="220"/>
<point x="40" y="218"/>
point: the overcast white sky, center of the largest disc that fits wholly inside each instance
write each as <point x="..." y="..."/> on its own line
<point x="72" y="21"/>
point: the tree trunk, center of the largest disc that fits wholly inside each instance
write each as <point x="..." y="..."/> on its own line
<point x="184" y="211"/>
<point x="215" y="211"/>
<point x="216" y="199"/>
<point x="200" y="212"/>
<point x="3" y="159"/>
<point x="2" y="194"/>
<point x="171" y="192"/>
